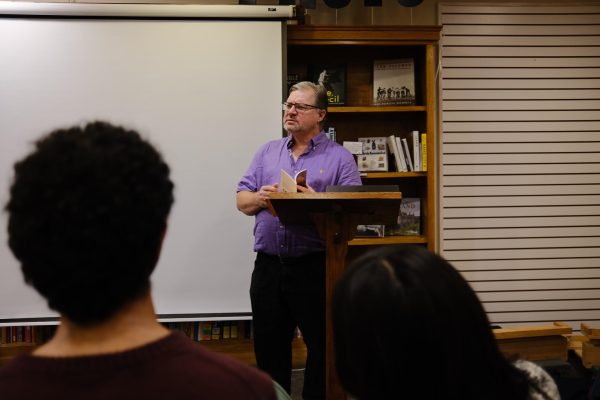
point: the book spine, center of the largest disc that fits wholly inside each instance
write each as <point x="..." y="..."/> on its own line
<point x="216" y="330"/>
<point x="234" y="329"/>
<point x="226" y="328"/>
<point x="403" y="164"/>
<point x="391" y="140"/>
<point x="416" y="151"/>
<point x="407" y="153"/>
<point x="423" y="151"/>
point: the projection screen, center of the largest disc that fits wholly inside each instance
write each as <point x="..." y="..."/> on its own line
<point x="205" y="91"/>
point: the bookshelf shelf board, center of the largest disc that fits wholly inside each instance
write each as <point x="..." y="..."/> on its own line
<point x="388" y="240"/>
<point x="375" y="109"/>
<point x="388" y="175"/>
<point x="18" y="345"/>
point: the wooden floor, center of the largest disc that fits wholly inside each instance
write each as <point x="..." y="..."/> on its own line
<point x="243" y="350"/>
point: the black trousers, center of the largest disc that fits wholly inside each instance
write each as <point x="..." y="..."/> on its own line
<point x="286" y="293"/>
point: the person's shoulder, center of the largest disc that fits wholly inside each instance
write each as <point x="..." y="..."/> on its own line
<point x="543" y="386"/>
<point x="273" y="144"/>
<point x="224" y="374"/>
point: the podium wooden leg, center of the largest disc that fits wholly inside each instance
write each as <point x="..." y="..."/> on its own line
<point x="337" y="231"/>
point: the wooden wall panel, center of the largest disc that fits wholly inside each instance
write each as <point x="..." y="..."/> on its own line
<point x="520" y="158"/>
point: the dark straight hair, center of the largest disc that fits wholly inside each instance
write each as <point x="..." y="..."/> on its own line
<point x="407" y="325"/>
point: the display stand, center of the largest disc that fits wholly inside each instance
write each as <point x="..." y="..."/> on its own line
<point x="335" y="215"/>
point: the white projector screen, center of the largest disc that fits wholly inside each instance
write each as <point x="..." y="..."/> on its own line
<point x="206" y="92"/>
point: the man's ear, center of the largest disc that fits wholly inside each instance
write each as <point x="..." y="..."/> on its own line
<point x="322" y="114"/>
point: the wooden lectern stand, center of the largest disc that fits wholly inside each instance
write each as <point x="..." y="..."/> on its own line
<point x="335" y="215"/>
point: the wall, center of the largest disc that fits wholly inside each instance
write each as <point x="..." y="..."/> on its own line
<point x="391" y="13"/>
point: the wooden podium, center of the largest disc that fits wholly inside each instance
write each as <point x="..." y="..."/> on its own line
<point x="335" y="215"/>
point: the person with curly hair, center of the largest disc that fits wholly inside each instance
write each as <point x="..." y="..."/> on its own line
<point x="88" y="213"/>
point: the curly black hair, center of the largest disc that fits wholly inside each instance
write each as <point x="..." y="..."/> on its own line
<point x="87" y="213"/>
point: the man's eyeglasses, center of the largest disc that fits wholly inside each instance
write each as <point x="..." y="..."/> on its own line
<point x="300" y="107"/>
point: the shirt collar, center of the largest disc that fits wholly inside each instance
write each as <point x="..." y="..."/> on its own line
<point x="314" y="142"/>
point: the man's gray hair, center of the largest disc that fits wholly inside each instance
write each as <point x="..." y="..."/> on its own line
<point x="320" y="96"/>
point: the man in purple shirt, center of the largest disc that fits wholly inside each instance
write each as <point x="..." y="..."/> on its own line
<point x="288" y="281"/>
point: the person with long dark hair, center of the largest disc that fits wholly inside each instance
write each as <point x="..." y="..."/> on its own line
<point x="408" y="326"/>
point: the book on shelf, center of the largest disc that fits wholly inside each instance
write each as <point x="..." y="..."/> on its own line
<point x="333" y="78"/>
<point x="226" y="329"/>
<point x="205" y="330"/>
<point x="416" y="140"/>
<point x="216" y="330"/>
<point x="394" y="82"/>
<point x="330" y="132"/>
<point x="370" y="231"/>
<point x="289" y="184"/>
<point x="397" y="153"/>
<point x="407" y="155"/>
<point x="423" y="151"/>
<point x="411" y="146"/>
<point x="234" y="334"/>
<point x="374" y="154"/>
<point x="409" y="219"/>
<point x="373" y="145"/>
<point x="292" y="79"/>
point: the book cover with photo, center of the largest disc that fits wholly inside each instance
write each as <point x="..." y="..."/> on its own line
<point x="409" y="219"/>
<point x="333" y="78"/>
<point x="374" y="145"/>
<point x="394" y="82"/>
<point x="370" y="231"/>
<point x="372" y="162"/>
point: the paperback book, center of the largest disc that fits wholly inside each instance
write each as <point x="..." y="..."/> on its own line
<point x="394" y="82"/>
<point x="289" y="184"/>
<point x="409" y="219"/>
<point x="333" y="78"/>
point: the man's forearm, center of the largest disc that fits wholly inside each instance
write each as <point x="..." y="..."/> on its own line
<point x="248" y="202"/>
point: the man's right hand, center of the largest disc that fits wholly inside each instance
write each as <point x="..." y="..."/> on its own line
<point x="252" y="202"/>
<point x="263" y="194"/>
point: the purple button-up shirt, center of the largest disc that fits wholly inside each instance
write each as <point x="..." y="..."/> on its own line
<point x="326" y="162"/>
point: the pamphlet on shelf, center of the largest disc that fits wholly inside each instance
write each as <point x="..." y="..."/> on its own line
<point x="289" y="184"/>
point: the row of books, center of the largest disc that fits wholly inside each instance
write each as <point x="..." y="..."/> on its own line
<point x="26" y="334"/>
<point x="195" y="330"/>
<point x="408" y="152"/>
<point x="407" y="224"/>
<point x="213" y="330"/>
<point x="393" y="81"/>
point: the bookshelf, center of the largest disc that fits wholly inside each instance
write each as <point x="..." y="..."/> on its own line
<point x="357" y="47"/>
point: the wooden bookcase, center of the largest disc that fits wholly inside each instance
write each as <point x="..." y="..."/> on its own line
<point x="357" y="47"/>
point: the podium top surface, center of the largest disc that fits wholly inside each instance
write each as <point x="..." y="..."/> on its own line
<point x="375" y="207"/>
<point x="331" y="196"/>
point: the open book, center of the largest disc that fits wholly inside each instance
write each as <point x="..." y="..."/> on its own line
<point x="289" y="184"/>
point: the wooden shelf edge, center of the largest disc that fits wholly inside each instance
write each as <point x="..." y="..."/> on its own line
<point x="531" y="331"/>
<point x="17" y="344"/>
<point x="375" y="109"/>
<point x="387" y="240"/>
<point x="388" y="175"/>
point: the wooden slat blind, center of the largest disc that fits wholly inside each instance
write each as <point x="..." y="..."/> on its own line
<point x="520" y="162"/>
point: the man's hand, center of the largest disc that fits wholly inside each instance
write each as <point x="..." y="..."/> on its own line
<point x="306" y="189"/>
<point x="263" y="194"/>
